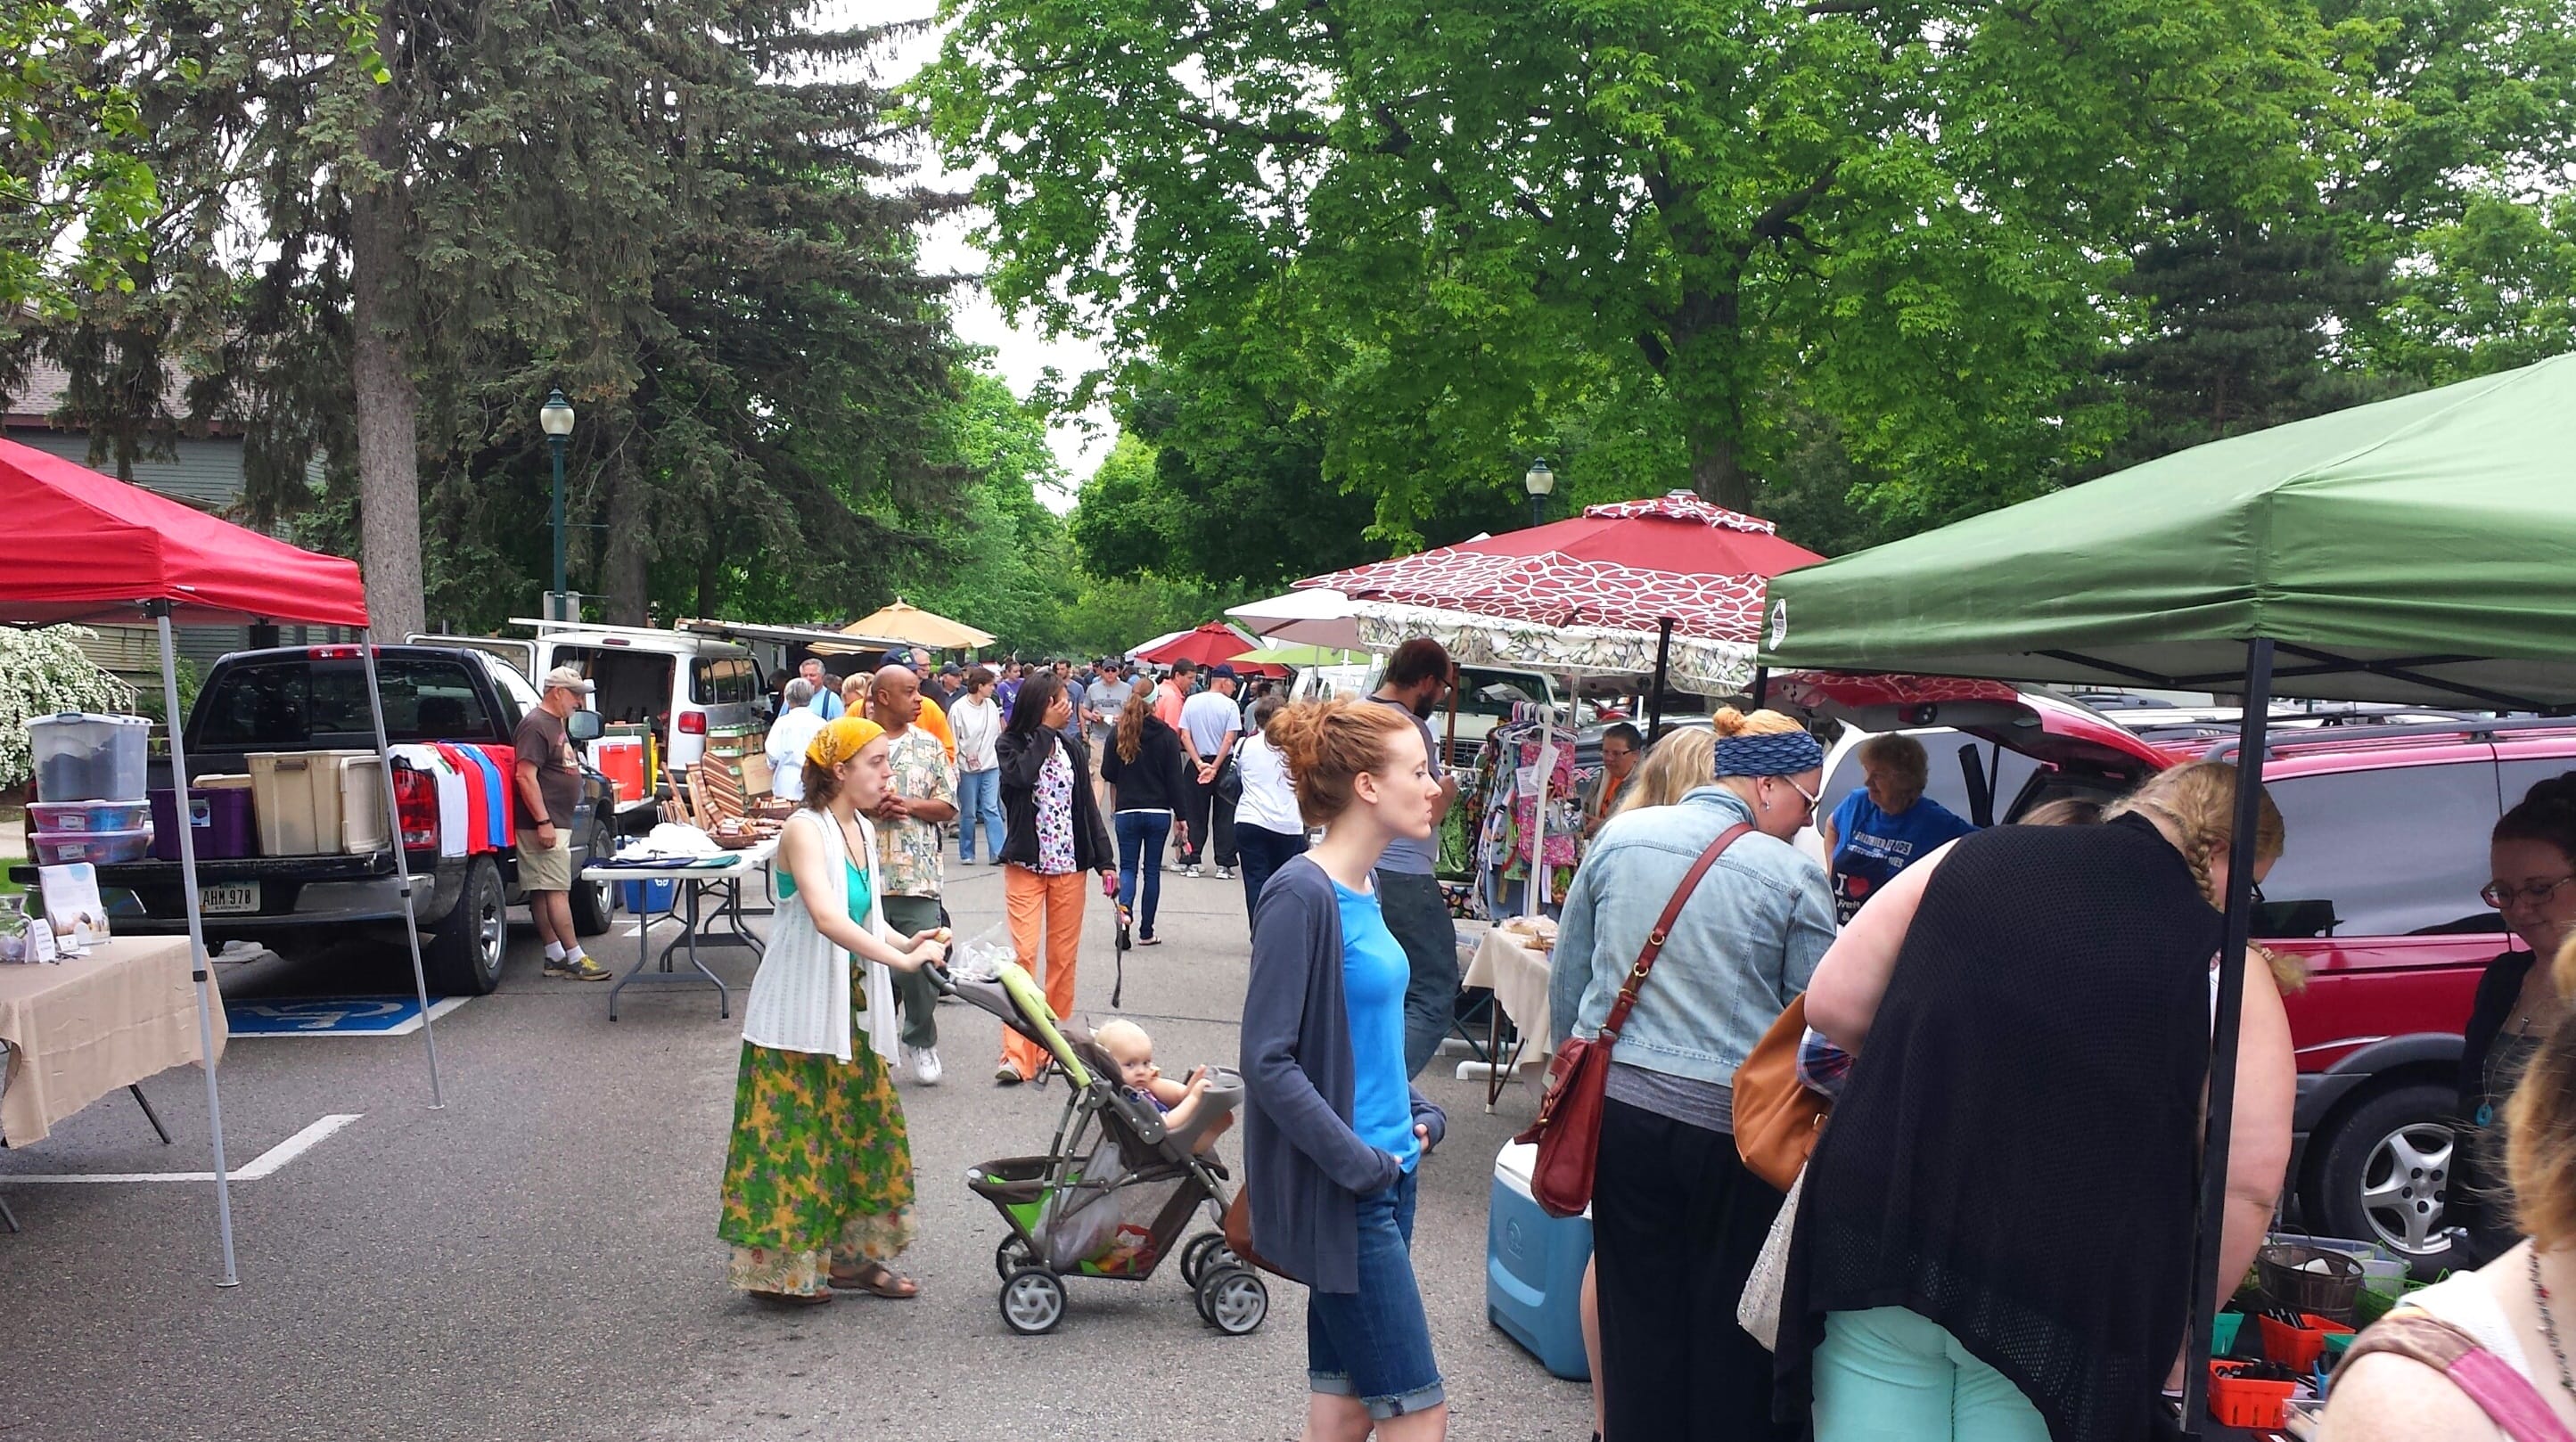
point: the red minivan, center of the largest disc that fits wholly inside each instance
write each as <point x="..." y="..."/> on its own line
<point x="2377" y="895"/>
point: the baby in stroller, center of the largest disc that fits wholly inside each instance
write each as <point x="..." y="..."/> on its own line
<point x="1133" y="1050"/>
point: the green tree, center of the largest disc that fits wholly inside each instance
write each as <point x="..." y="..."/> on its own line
<point x="76" y="201"/>
<point x="1447" y="230"/>
<point x="658" y="209"/>
<point x="1003" y="564"/>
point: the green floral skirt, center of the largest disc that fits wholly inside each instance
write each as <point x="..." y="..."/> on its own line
<point x="820" y="1170"/>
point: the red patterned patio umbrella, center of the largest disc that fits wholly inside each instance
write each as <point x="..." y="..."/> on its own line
<point x="1205" y="646"/>
<point x="1624" y="567"/>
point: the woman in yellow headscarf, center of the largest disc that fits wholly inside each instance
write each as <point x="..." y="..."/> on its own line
<point x="818" y="1182"/>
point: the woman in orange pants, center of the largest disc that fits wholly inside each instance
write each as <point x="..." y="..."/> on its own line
<point x="1051" y="834"/>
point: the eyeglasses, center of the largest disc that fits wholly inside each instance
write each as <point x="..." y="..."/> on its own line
<point x="1813" y="799"/>
<point x="2497" y="894"/>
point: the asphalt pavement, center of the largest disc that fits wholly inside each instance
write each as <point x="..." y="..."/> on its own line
<point x="537" y="1259"/>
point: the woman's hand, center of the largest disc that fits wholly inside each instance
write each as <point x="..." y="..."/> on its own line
<point x="927" y="950"/>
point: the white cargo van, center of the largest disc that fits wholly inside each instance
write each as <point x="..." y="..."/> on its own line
<point x="679" y="683"/>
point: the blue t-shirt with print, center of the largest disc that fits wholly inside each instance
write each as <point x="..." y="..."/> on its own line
<point x="1872" y="846"/>
<point x="1374" y="973"/>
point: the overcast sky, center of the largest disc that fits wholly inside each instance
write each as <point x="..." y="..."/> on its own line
<point x="1018" y="353"/>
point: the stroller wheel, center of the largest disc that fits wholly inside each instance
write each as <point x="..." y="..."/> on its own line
<point x="1033" y="1301"/>
<point x="1196" y="1258"/>
<point x="1233" y="1299"/>
<point x="1010" y="1256"/>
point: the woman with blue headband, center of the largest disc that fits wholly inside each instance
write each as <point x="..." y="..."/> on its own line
<point x="1677" y="1220"/>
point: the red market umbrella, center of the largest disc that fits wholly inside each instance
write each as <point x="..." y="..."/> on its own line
<point x="1205" y="646"/>
<point x="1629" y="566"/>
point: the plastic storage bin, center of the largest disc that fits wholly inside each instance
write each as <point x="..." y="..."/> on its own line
<point x="82" y="756"/>
<point x="57" y="847"/>
<point x="318" y="803"/>
<point x="221" y="819"/>
<point x="1534" y="1269"/>
<point x="646" y="897"/>
<point x="58" y="817"/>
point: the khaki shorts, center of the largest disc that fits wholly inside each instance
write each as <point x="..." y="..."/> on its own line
<point x="544" y="868"/>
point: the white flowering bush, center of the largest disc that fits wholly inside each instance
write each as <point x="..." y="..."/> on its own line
<point x="42" y="672"/>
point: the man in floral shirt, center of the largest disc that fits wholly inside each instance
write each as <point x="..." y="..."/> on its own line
<point x="922" y="799"/>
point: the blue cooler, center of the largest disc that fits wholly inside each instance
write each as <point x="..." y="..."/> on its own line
<point x="1534" y="1269"/>
<point x="646" y="897"/>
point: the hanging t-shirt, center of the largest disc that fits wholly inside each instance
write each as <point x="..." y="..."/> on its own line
<point x="1871" y="846"/>
<point x="1374" y="974"/>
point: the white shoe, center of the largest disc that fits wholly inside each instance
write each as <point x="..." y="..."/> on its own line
<point x="1190" y="871"/>
<point x="924" y="1061"/>
<point x="1225" y="873"/>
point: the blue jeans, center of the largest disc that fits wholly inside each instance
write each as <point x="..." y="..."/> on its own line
<point x="1375" y="1343"/>
<point x="1140" y="850"/>
<point x="1419" y="916"/>
<point x="979" y="798"/>
<point x="1263" y="851"/>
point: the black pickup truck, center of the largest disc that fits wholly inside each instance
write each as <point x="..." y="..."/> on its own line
<point x="315" y="699"/>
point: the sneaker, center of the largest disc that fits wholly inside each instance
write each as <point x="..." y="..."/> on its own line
<point x="924" y="1061"/>
<point x="1007" y="1075"/>
<point x="578" y="968"/>
<point x="1225" y="873"/>
<point x="1192" y="871"/>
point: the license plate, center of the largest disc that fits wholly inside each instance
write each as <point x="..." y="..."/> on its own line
<point x="228" y="897"/>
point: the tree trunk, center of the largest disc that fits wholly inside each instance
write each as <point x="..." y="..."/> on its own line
<point x="388" y="404"/>
<point x="1716" y="474"/>
<point x="626" y="561"/>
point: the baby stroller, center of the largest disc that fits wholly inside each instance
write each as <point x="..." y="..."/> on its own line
<point x="1116" y="1189"/>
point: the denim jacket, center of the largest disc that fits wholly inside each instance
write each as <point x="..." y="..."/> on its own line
<point x="1745" y="944"/>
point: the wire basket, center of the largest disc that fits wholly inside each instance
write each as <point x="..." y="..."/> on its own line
<point x="2302" y="1278"/>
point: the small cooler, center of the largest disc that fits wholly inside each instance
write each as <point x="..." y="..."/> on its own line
<point x="1534" y="1269"/>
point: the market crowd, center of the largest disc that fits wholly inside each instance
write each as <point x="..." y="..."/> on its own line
<point x="1998" y="1038"/>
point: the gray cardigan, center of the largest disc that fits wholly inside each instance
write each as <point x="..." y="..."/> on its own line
<point x="1302" y="1163"/>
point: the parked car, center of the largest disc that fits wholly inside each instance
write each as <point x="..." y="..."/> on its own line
<point x="314" y="699"/>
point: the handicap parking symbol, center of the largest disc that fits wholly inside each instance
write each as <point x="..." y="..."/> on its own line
<point x="332" y="1016"/>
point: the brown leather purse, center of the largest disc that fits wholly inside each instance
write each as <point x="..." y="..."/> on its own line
<point x="1238" y="1234"/>
<point x="1568" y="1129"/>
<point x="1776" y="1116"/>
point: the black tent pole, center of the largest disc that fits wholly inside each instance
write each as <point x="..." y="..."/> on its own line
<point x="1761" y="685"/>
<point x="1663" y="673"/>
<point x="2206" y="1286"/>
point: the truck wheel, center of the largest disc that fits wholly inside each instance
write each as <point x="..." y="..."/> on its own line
<point x="591" y="902"/>
<point x="2387" y="1173"/>
<point x="464" y="954"/>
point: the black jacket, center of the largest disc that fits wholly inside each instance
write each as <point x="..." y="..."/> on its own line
<point x="1156" y="780"/>
<point x="1022" y="758"/>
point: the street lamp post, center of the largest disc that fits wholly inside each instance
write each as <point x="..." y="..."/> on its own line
<point x="556" y="417"/>
<point x="1538" y="481"/>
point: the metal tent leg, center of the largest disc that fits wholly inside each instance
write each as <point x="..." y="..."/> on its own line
<point x="196" y="944"/>
<point x="402" y="867"/>
<point x="2206" y="1286"/>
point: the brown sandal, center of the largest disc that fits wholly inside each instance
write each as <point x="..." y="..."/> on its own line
<point x="792" y="1299"/>
<point x="879" y="1280"/>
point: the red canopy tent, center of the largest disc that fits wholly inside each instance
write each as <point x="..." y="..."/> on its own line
<point x="85" y="547"/>
<point x="1204" y="646"/>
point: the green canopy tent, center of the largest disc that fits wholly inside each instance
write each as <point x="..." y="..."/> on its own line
<point x="2418" y="550"/>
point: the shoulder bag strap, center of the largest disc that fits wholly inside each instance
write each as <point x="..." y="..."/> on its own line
<point x="1654" y="946"/>
<point x="2507" y="1397"/>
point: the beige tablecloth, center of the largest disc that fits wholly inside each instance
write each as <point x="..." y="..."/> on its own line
<point x="1519" y="978"/>
<point x="89" y="1026"/>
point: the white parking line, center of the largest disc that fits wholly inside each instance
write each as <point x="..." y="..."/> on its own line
<point x="265" y="1163"/>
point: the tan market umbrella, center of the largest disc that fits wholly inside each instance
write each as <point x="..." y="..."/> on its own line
<point x="914" y="626"/>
